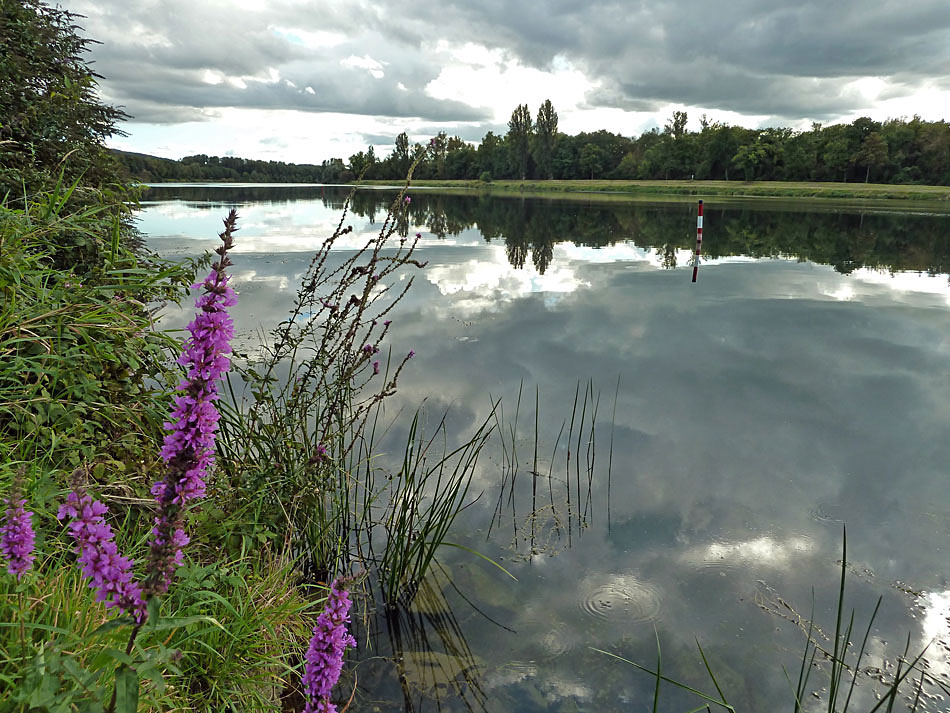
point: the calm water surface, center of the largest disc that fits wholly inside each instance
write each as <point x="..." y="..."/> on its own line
<point x="800" y="385"/>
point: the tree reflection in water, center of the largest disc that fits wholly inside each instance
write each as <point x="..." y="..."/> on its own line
<point x="847" y="239"/>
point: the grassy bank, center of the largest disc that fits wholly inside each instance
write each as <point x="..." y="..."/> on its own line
<point x="774" y="189"/>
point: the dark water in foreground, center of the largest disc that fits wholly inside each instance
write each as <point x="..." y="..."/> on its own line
<point x="801" y="384"/>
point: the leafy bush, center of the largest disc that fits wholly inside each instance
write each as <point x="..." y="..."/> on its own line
<point x="83" y="369"/>
<point x="49" y="109"/>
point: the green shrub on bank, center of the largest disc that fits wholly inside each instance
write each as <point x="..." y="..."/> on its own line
<point x="83" y="371"/>
<point x="86" y="381"/>
<point x="51" y="119"/>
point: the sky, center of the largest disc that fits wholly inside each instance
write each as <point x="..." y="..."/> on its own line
<point x="304" y="81"/>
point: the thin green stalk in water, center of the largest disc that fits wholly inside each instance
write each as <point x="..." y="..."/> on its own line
<point x="427" y="494"/>
<point x="722" y="703"/>
<point x="838" y="663"/>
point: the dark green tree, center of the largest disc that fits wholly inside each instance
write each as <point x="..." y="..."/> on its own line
<point x="492" y="156"/>
<point x="460" y="159"/>
<point x="837" y="156"/>
<point x="439" y="146"/>
<point x="358" y="162"/>
<point x="399" y="159"/>
<point x="934" y="141"/>
<point x="519" y="135"/>
<point x="677" y="159"/>
<point x="872" y="154"/>
<point x="592" y="160"/>
<point x="545" y="134"/>
<point x="677" y="125"/>
<point x="50" y="116"/>
<point x="748" y="159"/>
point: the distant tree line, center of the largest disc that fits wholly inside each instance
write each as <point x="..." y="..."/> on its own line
<point x="893" y="151"/>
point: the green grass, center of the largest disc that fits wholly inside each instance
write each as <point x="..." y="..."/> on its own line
<point x="700" y="189"/>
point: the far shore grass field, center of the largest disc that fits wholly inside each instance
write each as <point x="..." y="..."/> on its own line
<point x="700" y="189"/>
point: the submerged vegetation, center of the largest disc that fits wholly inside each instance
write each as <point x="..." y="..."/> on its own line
<point x="106" y="422"/>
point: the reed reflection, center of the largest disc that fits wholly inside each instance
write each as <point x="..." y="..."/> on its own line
<point x="422" y="649"/>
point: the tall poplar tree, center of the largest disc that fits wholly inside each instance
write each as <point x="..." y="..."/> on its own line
<point x="545" y="133"/>
<point x="400" y="155"/>
<point x="519" y="138"/>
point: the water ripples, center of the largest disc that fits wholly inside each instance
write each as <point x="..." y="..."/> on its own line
<point x="621" y="598"/>
<point x="828" y="513"/>
<point x="552" y="638"/>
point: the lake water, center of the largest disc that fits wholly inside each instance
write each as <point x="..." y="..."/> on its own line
<point x="799" y="385"/>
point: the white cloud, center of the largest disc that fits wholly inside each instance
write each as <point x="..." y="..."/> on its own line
<point x="766" y="551"/>
<point x="486" y="283"/>
<point x="374" y="67"/>
<point x="478" y="76"/>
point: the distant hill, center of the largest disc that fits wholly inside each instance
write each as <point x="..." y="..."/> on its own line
<point x="153" y="169"/>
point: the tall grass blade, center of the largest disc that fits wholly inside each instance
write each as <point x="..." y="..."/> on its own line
<point x="677" y="684"/>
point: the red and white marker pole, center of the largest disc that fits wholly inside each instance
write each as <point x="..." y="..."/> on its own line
<point x="699" y="240"/>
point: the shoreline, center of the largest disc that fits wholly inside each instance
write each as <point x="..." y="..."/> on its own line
<point x="674" y="188"/>
<point x="833" y="196"/>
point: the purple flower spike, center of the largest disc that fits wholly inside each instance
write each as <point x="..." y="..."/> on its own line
<point x="375" y="368"/>
<point x="188" y="450"/>
<point x="411" y="354"/>
<point x="324" y="659"/>
<point x="108" y="572"/>
<point x="408" y="200"/>
<point x="16" y="537"/>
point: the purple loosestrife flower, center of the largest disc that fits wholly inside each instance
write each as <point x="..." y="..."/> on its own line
<point x="324" y="659"/>
<point x="108" y="572"/>
<point x="16" y="536"/>
<point x="188" y="450"/>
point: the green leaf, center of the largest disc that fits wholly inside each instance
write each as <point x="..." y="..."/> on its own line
<point x="154" y="607"/>
<point x="126" y="690"/>
<point x="178" y="622"/>
<point x="119" y="656"/>
<point x="154" y="674"/>
<point x="111" y="625"/>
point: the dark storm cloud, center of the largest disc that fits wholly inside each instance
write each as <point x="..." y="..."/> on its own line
<point x="756" y="57"/>
<point x="167" y="62"/>
<point x="350" y="91"/>
<point x="158" y="113"/>
<point x="750" y="56"/>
